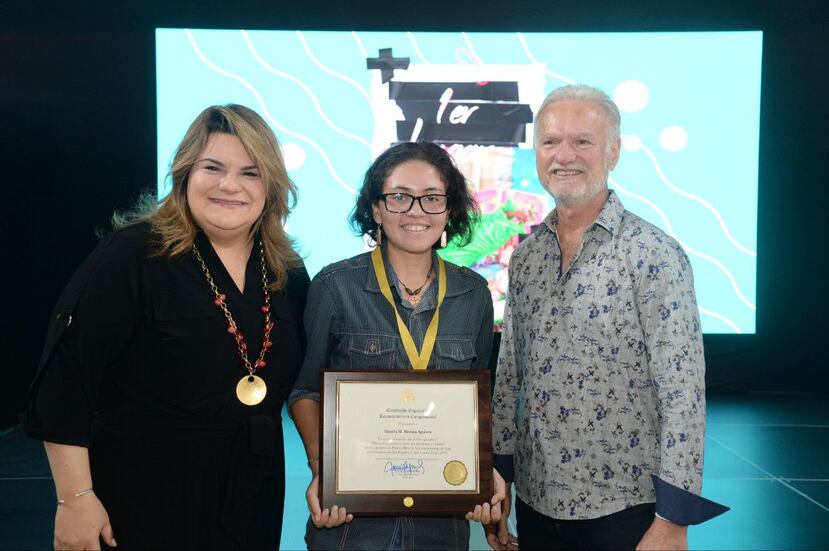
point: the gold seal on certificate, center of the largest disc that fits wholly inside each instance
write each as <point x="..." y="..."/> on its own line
<point x="454" y="473"/>
<point x="407" y="396"/>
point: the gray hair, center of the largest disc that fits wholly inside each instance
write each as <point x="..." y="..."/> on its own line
<point x="583" y="92"/>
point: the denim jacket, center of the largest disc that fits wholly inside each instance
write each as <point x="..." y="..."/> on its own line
<point x="350" y="325"/>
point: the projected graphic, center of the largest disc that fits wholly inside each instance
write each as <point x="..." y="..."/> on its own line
<point x="690" y="131"/>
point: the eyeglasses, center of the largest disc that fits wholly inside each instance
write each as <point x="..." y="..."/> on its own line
<point x="433" y="203"/>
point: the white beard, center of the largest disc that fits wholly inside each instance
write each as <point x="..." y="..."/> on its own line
<point x="574" y="197"/>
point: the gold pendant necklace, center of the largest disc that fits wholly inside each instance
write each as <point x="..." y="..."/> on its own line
<point x="251" y="389"/>
<point x="414" y="294"/>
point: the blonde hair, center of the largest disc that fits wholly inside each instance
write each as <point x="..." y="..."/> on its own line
<point x="171" y="219"/>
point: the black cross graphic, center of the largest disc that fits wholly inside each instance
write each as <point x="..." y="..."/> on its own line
<point x="387" y="63"/>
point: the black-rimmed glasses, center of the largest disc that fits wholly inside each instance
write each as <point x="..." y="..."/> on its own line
<point x="432" y="203"/>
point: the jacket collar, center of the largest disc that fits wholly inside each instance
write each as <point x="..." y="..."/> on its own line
<point x="456" y="282"/>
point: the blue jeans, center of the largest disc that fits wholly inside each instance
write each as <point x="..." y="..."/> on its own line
<point x="392" y="534"/>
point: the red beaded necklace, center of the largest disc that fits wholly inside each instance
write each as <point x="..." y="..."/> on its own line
<point x="251" y="389"/>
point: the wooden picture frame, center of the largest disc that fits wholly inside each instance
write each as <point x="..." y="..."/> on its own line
<point x="406" y="442"/>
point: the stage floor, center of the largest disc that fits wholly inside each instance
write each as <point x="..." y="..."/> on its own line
<point x="766" y="456"/>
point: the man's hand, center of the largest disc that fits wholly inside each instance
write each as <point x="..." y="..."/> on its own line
<point x="664" y="535"/>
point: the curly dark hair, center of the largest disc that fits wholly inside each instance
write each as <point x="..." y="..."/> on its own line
<point x="463" y="210"/>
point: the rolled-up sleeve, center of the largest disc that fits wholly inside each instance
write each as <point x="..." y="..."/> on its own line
<point x="93" y="322"/>
<point x="319" y="320"/>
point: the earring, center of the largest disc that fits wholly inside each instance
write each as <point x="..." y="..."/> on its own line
<point x="443" y="239"/>
<point x="378" y="235"/>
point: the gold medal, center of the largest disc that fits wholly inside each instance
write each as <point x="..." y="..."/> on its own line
<point x="419" y="360"/>
<point x="251" y="390"/>
<point x="455" y="473"/>
<point x="408" y="501"/>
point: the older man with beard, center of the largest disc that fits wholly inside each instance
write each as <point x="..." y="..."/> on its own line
<point x="599" y="401"/>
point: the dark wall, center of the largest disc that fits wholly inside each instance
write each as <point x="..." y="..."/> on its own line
<point x="77" y="89"/>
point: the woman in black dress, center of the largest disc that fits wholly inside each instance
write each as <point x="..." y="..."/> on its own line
<point x="171" y="352"/>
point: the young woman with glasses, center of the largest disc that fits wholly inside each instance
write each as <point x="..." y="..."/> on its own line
<point x="413" y="199"/>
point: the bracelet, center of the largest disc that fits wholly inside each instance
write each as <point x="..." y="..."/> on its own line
<point x="79" y="494"/>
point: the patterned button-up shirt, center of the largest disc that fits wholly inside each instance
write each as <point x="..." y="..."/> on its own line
<point x="600" y="379"/>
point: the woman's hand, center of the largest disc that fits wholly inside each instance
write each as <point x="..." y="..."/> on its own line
<point x="80" y="521"/>
<point x="324" y="518"/>
<point x="306" y="414"/>
<point x="81" y="518"/>
<point x="487" y="513"/>
<point x="498" y="535"/>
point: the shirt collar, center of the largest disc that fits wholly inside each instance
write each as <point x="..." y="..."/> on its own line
<point x="609" y="218"/>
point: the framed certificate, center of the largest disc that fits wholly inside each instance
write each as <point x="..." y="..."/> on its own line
<point x="406" y="442"/>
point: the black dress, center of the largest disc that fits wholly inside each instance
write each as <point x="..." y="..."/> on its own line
<point x="139" y="367"/>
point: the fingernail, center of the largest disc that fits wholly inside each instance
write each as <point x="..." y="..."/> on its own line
<point x="114" y="543"/>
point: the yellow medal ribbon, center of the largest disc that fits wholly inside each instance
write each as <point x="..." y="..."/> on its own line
<point x="418" y="360"/>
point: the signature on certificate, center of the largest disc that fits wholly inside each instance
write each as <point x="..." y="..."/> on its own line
<point x="405" y="467"/>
